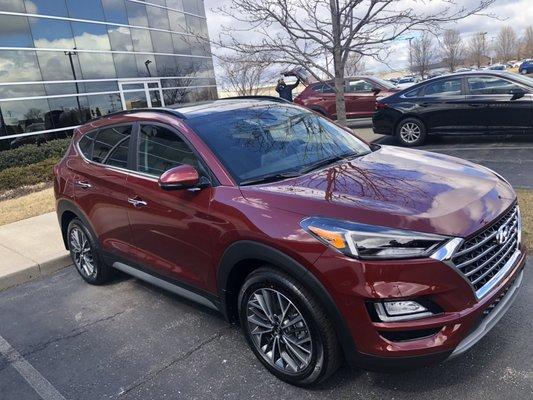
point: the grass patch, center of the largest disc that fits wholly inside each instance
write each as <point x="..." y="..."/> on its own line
<point x="525" y="199"/>
<point x="27" y="206"/>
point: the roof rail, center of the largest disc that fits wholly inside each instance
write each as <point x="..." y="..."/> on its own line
<point x="169" y="111"/>
<point x="252" y="97"/>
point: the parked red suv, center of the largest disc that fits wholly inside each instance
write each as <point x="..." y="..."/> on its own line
<point x="322" y="247"/>
<point x="360" y="96"/>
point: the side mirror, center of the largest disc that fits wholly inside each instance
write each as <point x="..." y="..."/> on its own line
<point x="180" y="177"/>
<point x="517" y="93"/>
<point x="376" y="90"/>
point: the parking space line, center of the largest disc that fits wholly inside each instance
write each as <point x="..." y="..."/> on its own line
<point x="37" y="382"/>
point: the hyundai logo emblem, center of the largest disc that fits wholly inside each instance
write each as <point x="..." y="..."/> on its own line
<point x="503" y="234"/>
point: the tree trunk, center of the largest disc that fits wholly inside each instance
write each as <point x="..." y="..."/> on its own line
<point x="340" y="103"/>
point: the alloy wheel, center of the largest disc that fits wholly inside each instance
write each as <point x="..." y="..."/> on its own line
<point x="410" y="132"/>
<point x="82" y="253"/>
<point x="279" y="331"/>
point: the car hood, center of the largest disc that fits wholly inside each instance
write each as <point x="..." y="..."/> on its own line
<point x="395" y="187"/>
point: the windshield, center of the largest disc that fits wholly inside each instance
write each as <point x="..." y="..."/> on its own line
<point x="384" y="83"/>
<point x="273" y="140"/>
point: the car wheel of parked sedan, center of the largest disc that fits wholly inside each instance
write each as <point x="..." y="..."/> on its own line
<point x="85" y="255"/>
<point x="287" y="328"/>
<point x="411" y="132"/>
<point x="523" y="71"/>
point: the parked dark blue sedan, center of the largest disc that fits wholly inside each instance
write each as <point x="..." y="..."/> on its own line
<point x="526" y="67"/>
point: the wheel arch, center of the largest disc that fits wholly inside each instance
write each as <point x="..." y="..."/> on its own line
<point x="407" y="116"/>
<point x="66" y="212"/>
<point x="245" y="256"/>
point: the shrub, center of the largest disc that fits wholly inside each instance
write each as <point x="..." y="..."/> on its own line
<point x="15" y="177"/>
<point x="32" y="153"/>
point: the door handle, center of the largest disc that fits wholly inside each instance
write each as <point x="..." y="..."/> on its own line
<point x="137" y="202"/>
<point x="83" y="185"/>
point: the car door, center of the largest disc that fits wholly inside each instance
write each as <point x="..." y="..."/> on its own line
<point x="360" y="98"/>
<point x="495" y="103"/>
<point x="100" y="185"/>
<point x="441" y="105"/>
<point x="171" y="229"/>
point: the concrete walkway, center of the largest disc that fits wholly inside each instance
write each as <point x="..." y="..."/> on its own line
<point x="31" y="248"/>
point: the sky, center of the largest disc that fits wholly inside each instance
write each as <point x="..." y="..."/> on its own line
<point x="515" y="13"/>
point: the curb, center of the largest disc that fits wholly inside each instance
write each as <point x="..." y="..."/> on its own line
<point x="17" y="277"/>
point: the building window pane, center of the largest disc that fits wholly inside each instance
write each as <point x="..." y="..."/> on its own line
<point x="104" y="104"/>
<point x="12" y="91"/>
<point x="56" y="66"/>
<point x="162" y="42"/>
<point x="67" y="111"/>
<point x="146" y="65"/>
<point x="19" y="66"/>
<point x="22" y="116"/>
<point x="47" y="7"/>
<point x="15" y="31"/>
<point x="120" y="38"/>
<point x="125" y="65"/>
<point x="136" y="14"/>
<point x="115" y="11"/>
<point x="135" y="100"/>
<point x="62" y="88"/>
<point x="158" y="2"/>
<point x="86" y="9"/>
<point x="157" y="17"/>
<point x="175" y="4"/>
<point x="166" y="65"/>
<point x="12" y="5"/>
<point x="200" y="47"/>
<point x="181" y="44"/>
<point x="174" y="96"/>
<point x="103" y="86"/>
<point x="177" y="21"/>
<point x="141" y="40"/>
<point x="191" y="6"/>
<point x="97" y="65"/>
<point x="155" y="97"/>
<point x="51" y="34"/>
<point x="90" y="36"/>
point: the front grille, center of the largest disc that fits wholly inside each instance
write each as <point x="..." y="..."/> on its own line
<point x="498" y="299"/>
<point x="481" y="257"/>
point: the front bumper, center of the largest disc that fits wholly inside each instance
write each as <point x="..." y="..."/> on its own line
<point x="464" y="321"/>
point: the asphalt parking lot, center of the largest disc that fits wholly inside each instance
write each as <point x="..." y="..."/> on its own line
<point x="511" y="156"/>
<point x="129" y="340"/>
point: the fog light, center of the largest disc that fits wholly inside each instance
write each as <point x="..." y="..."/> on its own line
<point x="392" y="311"/>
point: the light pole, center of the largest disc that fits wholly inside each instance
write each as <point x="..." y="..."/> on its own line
<point x="71" y="53"/>
<point x="146" y="64"/>
<point x="410" y="52"/>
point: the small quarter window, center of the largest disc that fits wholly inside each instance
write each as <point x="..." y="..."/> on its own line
<point x="109" y="139"/>
<point x="86" y="145"/>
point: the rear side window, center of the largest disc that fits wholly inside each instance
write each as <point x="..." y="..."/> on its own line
<point x="444" y="87"/>
<point x="161" y="149"/>
<point x="358" y="86"/>
<point x="490" y="85"/>
<point x="107" y="146"/>
<point x="324" y="88"/>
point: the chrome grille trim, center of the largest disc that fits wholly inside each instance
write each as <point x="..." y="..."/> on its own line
<point x="482" y="260"/>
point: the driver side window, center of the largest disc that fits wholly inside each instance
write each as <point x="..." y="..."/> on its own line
<point x="160" y="149"/>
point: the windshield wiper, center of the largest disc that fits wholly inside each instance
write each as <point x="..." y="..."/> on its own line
<point x="270" y="178"/>
<point x="324" y="162"/>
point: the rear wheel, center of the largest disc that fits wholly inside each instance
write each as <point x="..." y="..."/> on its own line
<point x="411" y="132"/>
<point x="85" y="255"/>
<point x="287" y="329"/>
<point x="523" y="71"/>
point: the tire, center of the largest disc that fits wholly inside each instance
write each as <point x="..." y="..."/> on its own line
<point x="411" y="132"/>
<point x="318" y="348"/>
<point x="85" y="256"/>
<point x="523" y="71"/>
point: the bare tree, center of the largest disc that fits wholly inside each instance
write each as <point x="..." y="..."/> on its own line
<point x="243" y="73"/>
<point x="452" y="49"/>
<point x="355" y="65"/>
<point x="477" y="49"/>
<point x="300" y="32"/>
<point x="527" y="43"/>
<point x="423" y="53"/>
<point x="506" y="44"/>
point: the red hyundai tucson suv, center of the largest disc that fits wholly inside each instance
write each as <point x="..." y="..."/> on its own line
<point x="322" y="247"/>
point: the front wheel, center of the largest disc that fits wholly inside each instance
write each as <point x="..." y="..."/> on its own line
<point x="411" y="132"/>
<point x="287" y="329"/>
<point x="523" y="71"/>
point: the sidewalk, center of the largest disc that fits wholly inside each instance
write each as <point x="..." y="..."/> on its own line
<point x="31" y="248"/>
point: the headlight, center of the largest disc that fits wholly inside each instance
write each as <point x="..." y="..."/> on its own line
<point x="372" y="242"/>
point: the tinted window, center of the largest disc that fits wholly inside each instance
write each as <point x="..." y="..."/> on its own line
<point x="125" y="65"/>
<point x="108" y="140"/>
<point x="444" y="87"/>
<point x="120" y="38"/>
<point x="324" y="88"/>
<point x="15" y="31"/>
<point x="136" y="14"/>
<point x="160" y="149"/>
<point x="90" y="36"/>
<point x="175" y="4"/>
<point x="86" y="9"/>
<point x="358" y="86"/>
<point x="12" y="5"/>
<point x="115" y="11"/>
<point x="490" y="85"/>
<point x="265" y="140"/>
<point x="141" y="40"/>
<point x="56" y="66"/>
<point x="86" y="145"/>
<point x="25" y="116"/>
<point x="177" y="21"/>
<point x="97" y="65"/>
<point x="67" y="111"/>
<point x="46" y="7"/>
<point x="11" y="91"/>
<point x="51" y="34"/>
<point x="104" y="104"/>
<point x="157" y="17"/>
<point x="162" y="42"/>
<point x="181" y="44"/>
<point x="413" y="93"/>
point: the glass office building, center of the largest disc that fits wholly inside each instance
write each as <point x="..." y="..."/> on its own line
<point x="64" y="62"/>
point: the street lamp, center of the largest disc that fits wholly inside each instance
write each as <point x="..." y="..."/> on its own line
<point x="410" y="52"/>
<point x="146" y="64"/>
<point x="70" y="54"/>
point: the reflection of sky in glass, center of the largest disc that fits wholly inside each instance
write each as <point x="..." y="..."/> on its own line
<point x="86" y="9"/>
<point x="136" y="14"/>
<point x="120" y="38"/>
<point x="157" y="17"/>
<point x="56" y="66"/>
<point x="125" y="65"/>
<point x="19" y="66"/>
<point x="97" y="65"/>
<point x="12" y="5"/>
<point x="115" y="11"/>
<point x="14" y="31"/>
<point x="90" y="36"/>
<point x="47" y="7"/>
<point x="53" y="34"/>
<point x="141" y="40"/>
